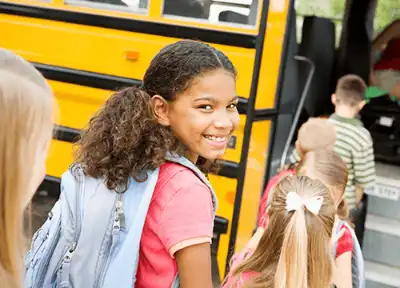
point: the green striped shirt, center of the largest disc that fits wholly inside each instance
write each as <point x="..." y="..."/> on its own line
<point x="354" y="144"/>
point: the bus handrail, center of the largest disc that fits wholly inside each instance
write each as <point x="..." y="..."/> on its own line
<point x="299" y="107"/>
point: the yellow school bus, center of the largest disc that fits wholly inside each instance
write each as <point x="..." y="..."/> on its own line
<point x="87" y="48"/>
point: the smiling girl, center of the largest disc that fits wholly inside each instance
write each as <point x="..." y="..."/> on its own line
<point x="186" y="106"/>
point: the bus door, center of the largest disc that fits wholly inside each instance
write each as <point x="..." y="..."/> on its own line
<point x="88" y="48"/>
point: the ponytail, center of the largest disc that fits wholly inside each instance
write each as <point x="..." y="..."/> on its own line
<point x="125" y="138"/>
<point x="291" y="270"/>
<point x="294" y="251"/>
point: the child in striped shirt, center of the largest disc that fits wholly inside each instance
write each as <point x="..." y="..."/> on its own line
<point x="353" y="142"/>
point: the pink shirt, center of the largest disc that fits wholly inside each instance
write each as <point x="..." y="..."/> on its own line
<point x="239" y="281"/>
<point x="345" y="243"/>
<point x="180" y="215"/>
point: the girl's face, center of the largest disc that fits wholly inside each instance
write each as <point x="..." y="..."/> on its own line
<point x="204" y="116"/>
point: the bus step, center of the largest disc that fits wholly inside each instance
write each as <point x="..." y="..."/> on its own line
<point x="381" y="276"/>
<point x="382" y="240"/>
<point x="384" y="198"/>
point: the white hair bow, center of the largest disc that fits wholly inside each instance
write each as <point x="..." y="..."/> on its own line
<point x="294" y="202"/>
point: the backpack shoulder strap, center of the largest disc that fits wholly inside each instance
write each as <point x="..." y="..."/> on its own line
<point x="72" y="192"/>
<point x="187" y="163"/>
<point x="176" y="283"/>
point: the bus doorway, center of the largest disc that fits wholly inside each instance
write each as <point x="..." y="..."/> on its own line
<point x="339" y="41"/>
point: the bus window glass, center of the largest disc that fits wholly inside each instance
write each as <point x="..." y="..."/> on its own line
<point x="331" y="9"/>
<point x="239" y="12"/>
<point x="137" y="6"/>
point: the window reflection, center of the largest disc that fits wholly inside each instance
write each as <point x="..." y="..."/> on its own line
<point x="186" y="8"/>
<point x="215" y="11"/>
<point x="129" y="5"/>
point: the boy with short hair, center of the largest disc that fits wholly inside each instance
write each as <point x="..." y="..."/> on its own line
<point x="353" y="142"/>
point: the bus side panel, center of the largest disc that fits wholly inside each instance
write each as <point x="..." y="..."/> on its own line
<point x="255" y="173"/>
<point x="77" y="104"/>
<point x="271" y="57"/>
<point x="225" y="189"/>
<point x="260" y="139"/>
<point x="59" y="158"/>
<point x="98" y="49"/>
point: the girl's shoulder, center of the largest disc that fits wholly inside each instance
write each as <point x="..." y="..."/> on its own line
<point x="174" y="181"/>
<point x="178" y="176"/>
<point x="345" y="242"/>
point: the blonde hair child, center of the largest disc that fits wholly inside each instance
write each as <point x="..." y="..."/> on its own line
<point x="26" y="124"/>
<point x="295" y="250"/>
<point x="329" y="168"/>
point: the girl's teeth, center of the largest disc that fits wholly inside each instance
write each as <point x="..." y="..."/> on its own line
<point x="219" y="139"/>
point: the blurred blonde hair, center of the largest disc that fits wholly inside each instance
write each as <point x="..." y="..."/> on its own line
<point x="295" y="250"/>
<point x="328" y="167"/>
<point x="315" y="134"/>
<point x="26" y="124"/>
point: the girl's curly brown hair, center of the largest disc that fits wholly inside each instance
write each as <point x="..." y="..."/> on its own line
<point x="124" y="137"/>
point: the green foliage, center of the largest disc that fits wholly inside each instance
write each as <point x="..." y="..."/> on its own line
<point x="386" y="12"/>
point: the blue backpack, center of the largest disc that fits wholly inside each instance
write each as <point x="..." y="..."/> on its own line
<point x="92" y="235"/>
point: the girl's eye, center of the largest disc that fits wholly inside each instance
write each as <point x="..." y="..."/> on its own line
<point x="232" y="106"/>
<point x="206" y="107"/>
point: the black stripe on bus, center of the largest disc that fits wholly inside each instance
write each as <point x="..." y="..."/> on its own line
<point x="52" y="186"/>
<point x="66" y="134"/>
<point x="132" y="25"/>
<point x="100" y="81"/>
<point x="291" y="22"/>
<point x="85" y="78"/>
<point x="247" y="134"/>
<point x="226" y="168"/>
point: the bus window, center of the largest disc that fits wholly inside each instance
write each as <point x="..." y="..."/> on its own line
<point x="137" y="6"/>
<point x="215" y="11"/>
<point x="331" y="9"/>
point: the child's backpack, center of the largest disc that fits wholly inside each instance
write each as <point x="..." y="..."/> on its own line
<point x="92" y="235"/>
<point x="357" y="259"/>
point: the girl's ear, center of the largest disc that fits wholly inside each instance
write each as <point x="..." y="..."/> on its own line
<point x="161" y="109"/>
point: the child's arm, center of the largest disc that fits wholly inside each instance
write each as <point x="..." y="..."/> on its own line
<point x="342" y="276"/>
<point x="186" y="229"/>
<point x="194" y="266"/>
<point x="342" y="273"/>
<point x="359" y="193"/>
